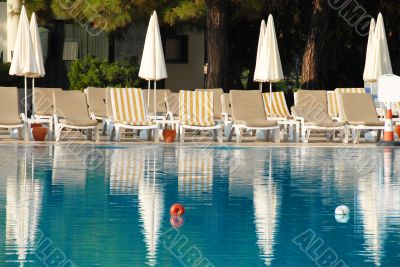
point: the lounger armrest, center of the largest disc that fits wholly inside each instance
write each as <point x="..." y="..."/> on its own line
<point x="23" y="117"/>
<point x="55" y="117"/>
<point x="225" y="117"/>
<point x="300" y="119"/>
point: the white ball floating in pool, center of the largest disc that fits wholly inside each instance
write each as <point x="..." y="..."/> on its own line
<point x="342" y="210"/>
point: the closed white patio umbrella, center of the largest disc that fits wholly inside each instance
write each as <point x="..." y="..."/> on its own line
<point x="272" y="72"/>
<point x="37" y="48"/>
<point x="380" y="61"/>
<point x="368" y="58"/>
<point x="152" y="66"/>
<point x="24" y="62"/>
<point x="261" y="53"/>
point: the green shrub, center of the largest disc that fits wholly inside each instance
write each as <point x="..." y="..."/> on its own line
<point x="7" y="79"/>
<point x="93" y="72"/>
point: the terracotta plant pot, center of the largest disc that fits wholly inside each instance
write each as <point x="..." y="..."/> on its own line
<point x="169" y="135"/>
<point x="39" y="133"/>
<point x="35" y="125"/>
<point x="397" y="130"/>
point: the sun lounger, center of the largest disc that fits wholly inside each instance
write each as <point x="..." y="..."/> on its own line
<point x="248" y="113"/>
<point x="359" y="113"/>
<point x="71" y="112"/>
<point x="196" y="113"/>
<point x="96" y="98"/>
<point x="226" y="109"/>
<point x="161" y="106"/>
<point x="129" y="112"/>
<point x="333" y="106"/>
<point x="43" y="107"/>
<point x="338" y="92"/>
<point x="218" y="92"/>
<point x="172" y="102"/>
<point x="279" y="109"/>
<point x="10" y="118"/>
<point x="311" y="109"/>
<point x="42" y="100"/>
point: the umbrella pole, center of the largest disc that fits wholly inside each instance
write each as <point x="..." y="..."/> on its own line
<point x="148" y="97"/>
<point x="26" y="109"/>
<point x="270" y="96"/>
<point x="154" y="100"/>
<point x="260" y="86"/>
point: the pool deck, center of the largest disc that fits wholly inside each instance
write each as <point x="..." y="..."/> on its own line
<point x="248" y="141"/>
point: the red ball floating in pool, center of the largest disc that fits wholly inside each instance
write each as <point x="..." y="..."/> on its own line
<point x="177" y="210"/>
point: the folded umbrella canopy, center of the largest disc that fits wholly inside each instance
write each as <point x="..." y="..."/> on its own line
<point x="380" y="58"/>
<point x="23" y="62"/>
<point x="261" y="53"/>
<point x="270" y="66"/>
<point x="152" y="66"/>
<point x="370" y="47"/>
<point x="37" y="49"/>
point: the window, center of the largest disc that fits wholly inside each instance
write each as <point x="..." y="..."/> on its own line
<point x="176" y="49"/>
<point x="70" y="50"/>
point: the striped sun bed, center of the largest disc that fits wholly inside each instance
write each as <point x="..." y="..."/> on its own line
<point x="195" y="172"/>
<point x="129" y="106"/>
<point x="130" y="112"/>
<point x="279" y="106"/>
<point x="196" y="108"/>
<point x="339" y="91"/>
<point x="126" y="170"/>
<point x="333" y="107"/>
<point x="196" y="112"/>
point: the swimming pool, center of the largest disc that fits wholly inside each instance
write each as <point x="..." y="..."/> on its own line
<point x="245" y="206"/>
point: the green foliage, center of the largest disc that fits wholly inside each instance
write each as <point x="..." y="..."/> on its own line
<point x="93" y="72"/>
<point x="7" y="79"/>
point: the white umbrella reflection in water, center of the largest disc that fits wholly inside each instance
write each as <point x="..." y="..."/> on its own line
<point x="265" y="198"/>
<point x="24" y="201"/>
<point x="151" y="205"/>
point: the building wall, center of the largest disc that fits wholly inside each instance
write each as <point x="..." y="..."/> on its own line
<point x="180" y="75"/>
<point x="191" y="75"/>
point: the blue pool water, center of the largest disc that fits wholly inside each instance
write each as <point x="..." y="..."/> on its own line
<point x="75" y="205"/>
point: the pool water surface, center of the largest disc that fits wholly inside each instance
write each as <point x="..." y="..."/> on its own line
<point x="63" y="205"/>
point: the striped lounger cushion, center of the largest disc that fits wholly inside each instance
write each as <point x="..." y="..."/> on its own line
<point x="333" y="107"/>
<point x="128" y="106"/>
<point x="279" y="106"/>
<point x="196" y="108"/>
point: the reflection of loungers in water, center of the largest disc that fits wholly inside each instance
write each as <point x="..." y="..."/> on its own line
<point x="195" y="172"/>
<point x="24" y="201"/>
<point x="243" y="166"/>
<point x="69" y="168"/>
<point x="151" y="207"/>
<point x="127" y="169"/>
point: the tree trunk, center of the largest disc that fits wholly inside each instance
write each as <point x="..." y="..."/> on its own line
<point x="312" y="67"/>
<point x="217" y="44"/>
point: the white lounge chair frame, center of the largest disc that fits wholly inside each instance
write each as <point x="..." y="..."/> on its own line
<point x="58" y="127"/>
